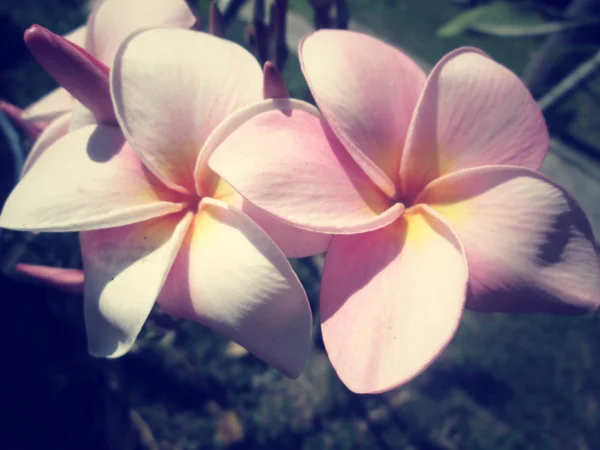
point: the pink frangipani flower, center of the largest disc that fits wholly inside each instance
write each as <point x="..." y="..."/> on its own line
<point x="109" y="23"/>
<point x="158" y="225"/>
<point x="430" y="187"/>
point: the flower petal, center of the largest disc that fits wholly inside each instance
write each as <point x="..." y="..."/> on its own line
<point x="472" y="112"/>
<point x="77" y="36"/>
<point x="125" y="269"/>
<point x="391" y="300"/>
<point x="113" y="20"/>
<point x="88" y="179"/>
<point x="75" y="69"/>
<point x="367" y="91"/>
<point x="171" y="88"/>
<point x="67" y="280"/>
<point x="530" y="246"/>
<point x="294" y="242"/>
<point x="53" y="132"/>
<point x="283" y="157"/>
<point x="232" y="278"/>
<point x="49" y="107"/>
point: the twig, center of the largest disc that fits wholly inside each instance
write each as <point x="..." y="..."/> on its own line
<point x="231" y="11"/>
<point x="144" y="430"/>
<point x="216" y="26"/>
<point x="278" y="31"/>
<point x="258" y="33"/>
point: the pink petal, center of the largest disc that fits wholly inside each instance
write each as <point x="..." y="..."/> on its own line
<point x="172" y="88"/>
<point x="74" y="69"/>
<point x="88" y="179"/>
<point x="282" y="156"/>
<point x="49" y="107"/>
<point x="294" y="242"/>
<point x="114" y="20"/>
<point x="68" y="280"/>
<point x="367" y="91"/>
<point x="232" y="278"/>
<point x="53" y="132"/>
<point x="391" y="300"/>
<point x="472" y="112"/>
<point x="530" y="246"/>
<point x="125" y="269"/>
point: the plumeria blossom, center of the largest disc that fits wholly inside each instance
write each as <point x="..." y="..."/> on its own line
<point x="108" y="24"/>
<point x="430" y="187"/>
<point x="158" y="225"/>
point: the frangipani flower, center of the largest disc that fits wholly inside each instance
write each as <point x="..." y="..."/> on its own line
<point x="109" y="23"/>
<point x="156" y="223"/>
<point x="429" y="184"/>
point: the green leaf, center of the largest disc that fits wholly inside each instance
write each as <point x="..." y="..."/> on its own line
<point x="463" y="21"/>
<point x="507" y="19"/>
<point x="530" y="30"/>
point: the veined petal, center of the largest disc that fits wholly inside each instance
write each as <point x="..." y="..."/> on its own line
<point x="172" y="88"/>
<point x="89" y="179"/>
<point x="232" y="278"/>
<point x="530" y="246"/>
<point x="367" y="91"/>
<point x="113" y="20"/>
<point x="283" y="157"/>
<point x="125" y="269"/>
<point x="53" y="132"/>
<point x="294" y="242"/>
<point x="49" y="107"/>
<point x="391" y="300"/>
<point x="472" y="112"/>
<point x="68" y="280"/>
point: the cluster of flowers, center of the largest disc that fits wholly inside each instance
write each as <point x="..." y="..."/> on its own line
<point x="192" y="177"/>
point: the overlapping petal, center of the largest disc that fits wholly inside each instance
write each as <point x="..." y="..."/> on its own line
<point x="88" y="179"/>
<point x="281" y="156"/>
<point x="113" y="20"/>
<point x="232" y="278"/>
<point x="52" y="133"/>
<point x="172" y="88"/>
<point x="125" y="268"/>
<point x="49" y="107"/>
<point x="391" y="300"/>
<point x="294" y="242"/>
<point x="472" y="112"/>
<point x="367" y="91"/>
<point x="529" y="245"/>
